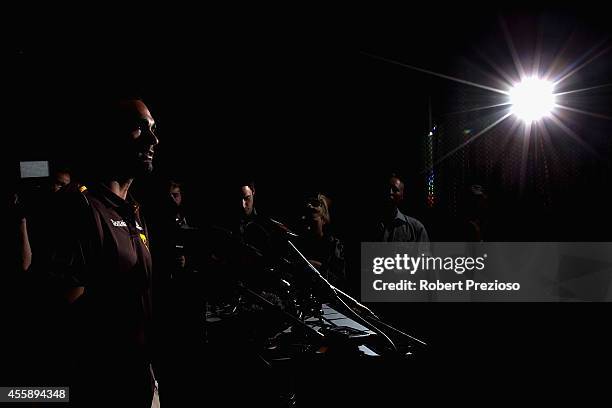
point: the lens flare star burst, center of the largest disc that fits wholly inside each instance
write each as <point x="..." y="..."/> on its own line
<point x="532" y="99"/>
<point x="529" y="97"/>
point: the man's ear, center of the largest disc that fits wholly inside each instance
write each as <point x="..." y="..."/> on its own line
<point x="253" y="192"/>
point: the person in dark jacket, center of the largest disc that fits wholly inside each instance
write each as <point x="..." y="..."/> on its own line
<point x="323" y="250"/>
<point x="96" y="268"/>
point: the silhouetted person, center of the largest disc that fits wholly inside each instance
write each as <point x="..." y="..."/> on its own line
<point x="18" y="219"/>
<point x="175" y="190"/>
<point x="16" y="343"/>
<point x="179" y="224"/>
<point x="475" y="223"/>
<point x="250" y="228"/>
<point x="324" y="251"/>
<point x="395" y="226"/>
<point x="179" y="293"/>
<point x="60" y="179"/>
<point x="98" y="267"/>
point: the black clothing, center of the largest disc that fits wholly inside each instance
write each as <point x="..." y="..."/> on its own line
<point x="330" y="252"/>
<point x="252" y="231"/>
<point x="99" y="241"/>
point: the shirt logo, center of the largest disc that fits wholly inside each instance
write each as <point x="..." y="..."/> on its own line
<point x="119" y="223"/>
<point x="144" y="240"/>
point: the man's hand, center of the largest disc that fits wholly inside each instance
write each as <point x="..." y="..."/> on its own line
<point x="181" y="261"/>
<point x="73" y="294"/>
<point x="316" y="264"/>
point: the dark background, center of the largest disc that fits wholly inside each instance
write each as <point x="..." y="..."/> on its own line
<point x="300" y="104"/>
<point x="297" y="103"/>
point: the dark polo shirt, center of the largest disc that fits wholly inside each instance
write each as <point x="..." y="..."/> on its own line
<point x="100" y="242"/>
<point x="120" y="276"/>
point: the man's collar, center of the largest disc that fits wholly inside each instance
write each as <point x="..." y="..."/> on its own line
<point x="111" y="199"/>
<point x="399" y="218"/>
<point x="248" y="218"/>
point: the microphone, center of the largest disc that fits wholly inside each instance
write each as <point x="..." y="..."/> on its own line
<point x="283" y="228"/>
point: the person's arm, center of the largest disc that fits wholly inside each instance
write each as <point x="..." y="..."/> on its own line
<point x="333" y="268"/>
<point x="315" y="263"/>
<point x="59" y="268"/>
<point x="24" y="245"/>
<point x="337" y="264"/>
<point x="73" y="294"/>
<point x="422" y="235"/>
<point x="423" y="239"/>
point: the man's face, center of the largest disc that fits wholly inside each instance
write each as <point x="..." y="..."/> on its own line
<point x="176" y="195"/>
<point x="137" y="138"/>
<point x="396" y="191"/>
<point x="248" y="199"/>
<point x="60" y="180"/>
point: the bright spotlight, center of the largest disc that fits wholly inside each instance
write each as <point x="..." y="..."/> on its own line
<point x="532" y="99"/>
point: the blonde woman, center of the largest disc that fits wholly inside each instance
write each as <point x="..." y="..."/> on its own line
<point x="324" y="251"/>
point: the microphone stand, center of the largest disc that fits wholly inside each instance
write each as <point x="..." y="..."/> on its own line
<point x="336" y="292"/>
<point x="339" y="294"/>
<point x="334" y="289"/>
<point x="287" y="316"/>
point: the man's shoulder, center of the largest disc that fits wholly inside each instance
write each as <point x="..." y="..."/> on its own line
<point x="71" y="201"/>
<point x="67" y="213"/>
<point x="260" y="223"/>
<point x="411" y="220"/>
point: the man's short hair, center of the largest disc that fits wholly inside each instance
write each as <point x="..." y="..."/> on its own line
<point x="172" y="184"/>
<point x="60" y="170"/>
<point x="399" y="177"/>
<point x="106" y="106"/>
<point x="242" y="182"/>
<point x="111" y="107"/>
